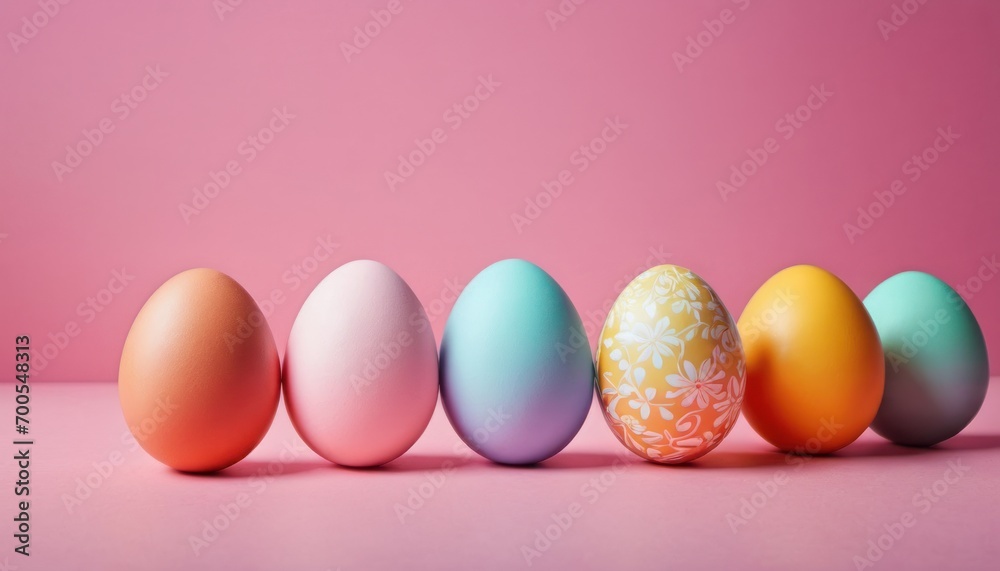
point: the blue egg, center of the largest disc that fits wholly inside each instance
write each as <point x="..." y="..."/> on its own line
<point x="936" y="368"/>
<point x="517" y="372"/>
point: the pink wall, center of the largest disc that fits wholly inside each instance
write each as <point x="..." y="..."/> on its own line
<point x="539" y="94"/>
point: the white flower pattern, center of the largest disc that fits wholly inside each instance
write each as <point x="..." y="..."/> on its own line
<point x="656" y="343"/>
<point x="696" y="385"/>
<point x="671" y="368"/>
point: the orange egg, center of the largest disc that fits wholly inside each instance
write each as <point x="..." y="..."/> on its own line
<point x="815" y="370"/>
<point x="199" y="378"/>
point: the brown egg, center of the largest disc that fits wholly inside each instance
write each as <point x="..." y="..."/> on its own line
<point x="199" y="378"/>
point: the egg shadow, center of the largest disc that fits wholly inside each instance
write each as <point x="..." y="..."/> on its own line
<point x="716" y="460"/>
<point x="426" y="463"/>
<point x="561" y="461"/>
<point x="262" y="469"/>
<point x="776" y="458"/>
<point x="876" y="449"/>
<point x="580" y="460"/>
<point x="886" y="448"/>
<point x="970" y="442"/>
<point x="721" y="460"/>
<point x="278" y="469"/>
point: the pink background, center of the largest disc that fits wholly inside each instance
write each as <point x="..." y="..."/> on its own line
<point x="652" y="190"/>
<point x="650" y="198"/>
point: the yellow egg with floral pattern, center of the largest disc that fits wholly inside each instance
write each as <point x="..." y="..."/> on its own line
<point x="670" y="366"/>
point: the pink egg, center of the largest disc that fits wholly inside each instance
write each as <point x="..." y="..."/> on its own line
<point x="360" y="376"/>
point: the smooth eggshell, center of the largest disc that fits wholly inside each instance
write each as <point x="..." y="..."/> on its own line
<point x="517" y="373"/>
<point x="670" y="368"/>
<point x="815" y="372"/>
<point x="360" y="371"/>
<point x="198" y="384"/>
<point x="936" y="368"/>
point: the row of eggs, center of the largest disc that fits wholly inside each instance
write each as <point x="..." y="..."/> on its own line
<point x="809" y="364"/>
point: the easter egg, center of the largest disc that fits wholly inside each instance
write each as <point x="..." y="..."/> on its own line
<point x="815" y="372"/>
<point x="517" y="373"/>
<point x="670" y="367"/>
<point x="199" y="378"/>
<point x="936" y="368"/>
<point x="360" y="371"/>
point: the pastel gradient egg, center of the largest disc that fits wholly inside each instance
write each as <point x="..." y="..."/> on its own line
<point x="936" y="367"/>
<point x="360" y="370"/>
<point x="517" y="374"/>
<point x="671" y="370"/>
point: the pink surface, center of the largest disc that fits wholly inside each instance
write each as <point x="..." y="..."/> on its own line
<point x="820" y="514"/>
<point x="316" y="195"/>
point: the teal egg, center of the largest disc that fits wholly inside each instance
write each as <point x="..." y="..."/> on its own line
<point x="936" y="367"/>
<point x="516" y="369"/>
